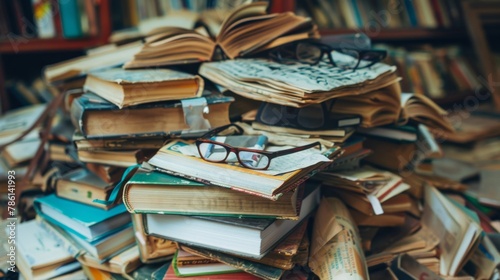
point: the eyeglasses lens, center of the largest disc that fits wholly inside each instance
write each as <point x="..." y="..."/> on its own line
<point x="311" y="117"/>
<point x="253" y="160"/>
<point x="308" y="53"/>
<point x="213" y="152"/>
<point x="345" y="58"/>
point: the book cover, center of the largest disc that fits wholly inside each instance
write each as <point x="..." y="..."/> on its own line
<point x="72" y="216"/>
<point x="167" y="194"/>
<point x="84" y="107"/>
<point x="132" y="87"/>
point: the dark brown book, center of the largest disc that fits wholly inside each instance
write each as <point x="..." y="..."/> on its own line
<point x="94" y="117"/>
<point x="383" y="220"/>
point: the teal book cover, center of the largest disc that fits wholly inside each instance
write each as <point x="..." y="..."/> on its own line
<point x="73" y="216"/>
<point x="70" y="19"/>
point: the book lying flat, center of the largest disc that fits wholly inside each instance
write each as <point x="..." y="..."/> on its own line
<point x="161" y="193"/>
<point x="87" y="222"/>
<point x="296" y="85"/>
<point x="257" y="269"/>
<point x="248" y="29"/>
<point x="80" y="66"/>
<point x="132" y="87"/>
<point x="95" y="117"/>
<point x="83" y="186"/>
<point x="170" y="160"/>
<point x="248" y="237"/>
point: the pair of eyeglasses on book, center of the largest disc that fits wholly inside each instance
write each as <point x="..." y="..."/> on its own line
<point x="312" y="52"/>
<point x="218" y="152"/>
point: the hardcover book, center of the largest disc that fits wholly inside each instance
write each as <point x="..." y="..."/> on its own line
<point x="161" y="193"/>
<point x="132" y="87"/>
<point x="83" y="186"/>
<point x="87" y="222"/>
<point x="224" y="233"/>
<point x="94" y="117"/>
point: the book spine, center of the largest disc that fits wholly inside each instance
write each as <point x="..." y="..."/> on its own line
<point x="70" y="19"/>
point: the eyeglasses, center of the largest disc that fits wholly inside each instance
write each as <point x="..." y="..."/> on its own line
<point x="312" y="52"/>
<point x="214" y="151"/>
<point x="312" y="117"/>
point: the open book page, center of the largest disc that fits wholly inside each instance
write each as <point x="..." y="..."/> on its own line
<point x="455" y="229"/>
<point x="423" y="110"/>
<point x="302" y="77"/>
<point x="336" y="251"/>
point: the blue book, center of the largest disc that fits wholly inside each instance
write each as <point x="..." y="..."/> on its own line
<point x="70" y="19"/>
<point x="410" y="9"/>
<point x="88" y="222"/>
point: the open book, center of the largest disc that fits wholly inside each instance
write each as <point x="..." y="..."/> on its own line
<point x="389" y="106"/>
<point x="248" y="29"/>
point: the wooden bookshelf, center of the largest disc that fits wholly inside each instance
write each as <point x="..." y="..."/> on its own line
<point x="24" y="44"/>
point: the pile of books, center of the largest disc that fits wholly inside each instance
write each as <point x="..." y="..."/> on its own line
<point x="147" y="178"/>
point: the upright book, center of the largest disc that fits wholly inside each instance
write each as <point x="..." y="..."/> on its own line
<point x="131" y="87"/>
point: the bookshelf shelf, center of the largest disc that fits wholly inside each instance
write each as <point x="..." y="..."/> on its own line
<point x="405" y="34"/>
<point x="45" y="45"/>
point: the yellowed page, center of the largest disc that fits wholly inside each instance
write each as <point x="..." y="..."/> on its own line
<point x="336" y="251"/>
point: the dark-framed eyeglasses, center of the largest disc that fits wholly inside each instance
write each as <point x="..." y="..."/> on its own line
<point x="312" y="52"/>
<point x="217" y="152"/>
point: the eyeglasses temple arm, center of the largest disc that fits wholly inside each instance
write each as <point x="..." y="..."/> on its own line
<point x="298" y="149"/>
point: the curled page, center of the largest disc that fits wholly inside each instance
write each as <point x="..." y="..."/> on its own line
<point x="336" y="251"/>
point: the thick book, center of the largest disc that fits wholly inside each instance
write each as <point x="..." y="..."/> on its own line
<point x="109" y="144"/>
<point x="161" y="193"/>
<point x="298" y="84"/>
<point x="170" y="160"/>
<point x="89" y="223"/>
<point x="132" y="87"/>
<point x="247" y="30"/>
<point x="94" y="117"/>
<point x="225" y="233"/>
<point x="83" y="186"/>
<point x="405" y="133"/>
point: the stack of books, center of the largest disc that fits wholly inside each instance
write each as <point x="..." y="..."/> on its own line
<point x="363" y="203"/>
